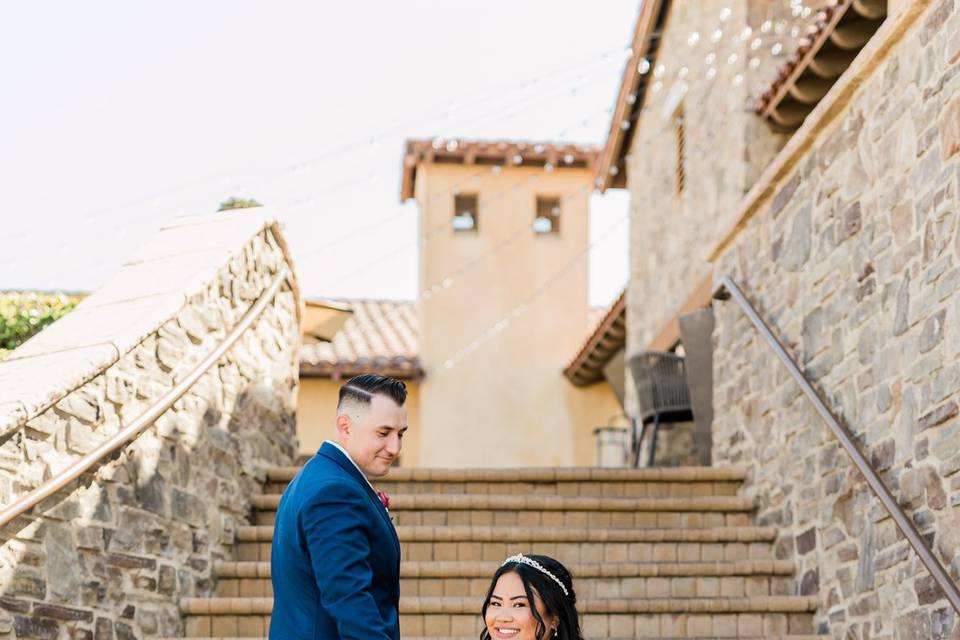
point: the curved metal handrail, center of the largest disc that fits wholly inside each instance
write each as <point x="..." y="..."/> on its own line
<point x="905" y="524"/>
<point x="148" y="417"/>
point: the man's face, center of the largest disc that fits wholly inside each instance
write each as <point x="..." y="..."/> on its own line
<point x="373" y="436"/>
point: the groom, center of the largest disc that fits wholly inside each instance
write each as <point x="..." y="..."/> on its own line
<point x="335" y="562"/>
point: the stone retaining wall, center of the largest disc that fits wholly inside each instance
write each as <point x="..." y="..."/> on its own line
<point x="855" y="260"/>
<point x="111" y="557"/>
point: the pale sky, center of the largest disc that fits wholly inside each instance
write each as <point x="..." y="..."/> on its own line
<point x="119" y="115"/>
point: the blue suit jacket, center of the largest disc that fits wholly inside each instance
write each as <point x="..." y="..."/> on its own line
<point x="335" y="560"/>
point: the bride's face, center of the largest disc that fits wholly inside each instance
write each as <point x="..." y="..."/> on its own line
<point x="509" y="615"/>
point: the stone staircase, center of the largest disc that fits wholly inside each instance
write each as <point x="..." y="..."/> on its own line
<point x="655" y="553"/>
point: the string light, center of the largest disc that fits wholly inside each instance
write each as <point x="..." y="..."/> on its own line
<point x="520" y="309"/>
<point x="448" y="280"/>
<point x="368" y="143"/>
<point x="754" y="35"/>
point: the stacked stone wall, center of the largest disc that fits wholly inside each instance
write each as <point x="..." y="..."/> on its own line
<point x="855" y="261"/>
<point x="111" y="556"/>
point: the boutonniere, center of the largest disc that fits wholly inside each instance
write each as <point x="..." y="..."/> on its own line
<point x="384" y="500"/>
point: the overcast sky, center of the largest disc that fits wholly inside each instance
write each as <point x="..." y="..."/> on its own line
<point x="119" y="115"/>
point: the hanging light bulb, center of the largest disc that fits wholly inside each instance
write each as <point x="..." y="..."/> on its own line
<point x="657" y="86"/>
<point x="795" y="32"/>
<point x="732" y="58"/>
<point x="659" y="71"/>
<point x="624" y="125"/>
<point x="643" y="67"/>
<point x="746" y="33"/>
<point x="716" y="35"/>
<point x="711" y="73"/>
<point x="737" y="80"/>
<point x="683" y="72"/>
<point x="754" y="63"/>
<point x="776" y="49"/>
<point x="568" y="158"/>
<point x="766" y="26"/>
<point x="756" y="44"/>
<point x="725" y="14"/>
<point x="780" y="27"/>
<point x="693" y="39"/>
<point x="711" y="58"/>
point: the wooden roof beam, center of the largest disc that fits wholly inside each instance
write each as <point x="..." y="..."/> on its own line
<point x="831" y="64"/>
<point x="809" y="89"/>
<point x="853" y="35"/>
<point x="871" y="9"/>
<point x="790" y="115"/>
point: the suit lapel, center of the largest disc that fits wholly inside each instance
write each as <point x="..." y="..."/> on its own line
<point x="333" y="453"/>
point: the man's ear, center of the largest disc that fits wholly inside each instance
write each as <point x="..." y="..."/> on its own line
<point x="344" y="426"/>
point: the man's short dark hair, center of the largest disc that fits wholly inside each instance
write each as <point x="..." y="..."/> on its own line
<point x="361" y="389"/>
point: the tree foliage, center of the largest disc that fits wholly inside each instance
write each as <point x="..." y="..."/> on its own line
<point x="238" y="203"/>
<point x="23" y="315"/>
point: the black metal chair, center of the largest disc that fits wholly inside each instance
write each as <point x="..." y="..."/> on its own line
<point x="661" y="381"/>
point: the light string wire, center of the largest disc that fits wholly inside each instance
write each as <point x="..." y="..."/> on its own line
<point x="517" y="311"/>
<point x="495" y="93"/>
<point x="401" y="210"/>
<point x="368" y="333"/>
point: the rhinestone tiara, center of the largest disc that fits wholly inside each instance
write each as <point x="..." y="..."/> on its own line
<point x="522" y="559"/>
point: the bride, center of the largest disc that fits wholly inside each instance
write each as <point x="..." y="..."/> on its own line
<point x="531" y="598"/>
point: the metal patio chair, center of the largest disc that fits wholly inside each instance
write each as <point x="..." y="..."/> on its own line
<point x="661" y="381"/>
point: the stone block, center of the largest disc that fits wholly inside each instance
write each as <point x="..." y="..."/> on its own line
<point x="39" y="381"/>
<point x="949" y="123"/>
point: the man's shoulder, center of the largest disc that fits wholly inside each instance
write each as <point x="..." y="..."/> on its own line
<point x="322" y="477"/>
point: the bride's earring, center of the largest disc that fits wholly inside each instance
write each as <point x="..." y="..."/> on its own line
<point x="556" y="632"/>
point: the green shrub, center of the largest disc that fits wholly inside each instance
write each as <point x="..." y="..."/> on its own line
<point x="23" y="315"/>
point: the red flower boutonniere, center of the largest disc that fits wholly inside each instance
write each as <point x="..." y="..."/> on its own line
<point x="384" y="499"/>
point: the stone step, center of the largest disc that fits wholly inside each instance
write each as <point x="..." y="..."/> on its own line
<point x="458" y="569"/>
<point x="593" y="580"/>
<point x="632" y="637"/>
<point x="551" y="511"/>
<point x="679" y="482"/>
<point x="465" y="605"/>
<point x="493" y="544"/>
<point x="601" y="618"/>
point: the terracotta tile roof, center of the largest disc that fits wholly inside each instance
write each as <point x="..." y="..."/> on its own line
<point x="491" y="152"/>
<point x="840" y="31"/>
<point x="381" y="336"/>
<point x="608" y="336"/>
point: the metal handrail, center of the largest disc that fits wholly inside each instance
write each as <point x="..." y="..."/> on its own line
<point x="905" y="524"/>
<point x="148" y="417"/>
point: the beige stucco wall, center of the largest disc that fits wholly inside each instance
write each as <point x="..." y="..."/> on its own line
<point x="504" y="403"/>
<point x="317" y="407"/>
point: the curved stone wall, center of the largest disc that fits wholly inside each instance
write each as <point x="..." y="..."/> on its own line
<point x="112" y="556"/>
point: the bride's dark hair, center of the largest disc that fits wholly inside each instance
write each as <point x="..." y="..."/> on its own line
<point x="555" y="601"/>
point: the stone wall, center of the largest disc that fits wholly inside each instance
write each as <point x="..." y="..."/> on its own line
<point x="855" y="260"/>
<point x="726" y="148"/>
<point x="111" y="556"/>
